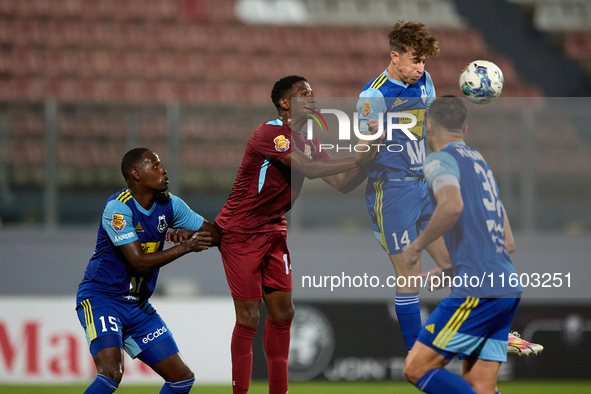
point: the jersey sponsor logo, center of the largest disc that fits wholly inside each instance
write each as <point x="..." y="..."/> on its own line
<point x="153" y="335"/>
<point x="122" y="237"/>
<point x="366" y="110"/>
<point x="150" y="247"/>
<point x="281" y="143"/>
<point x="162" y="225"/>
<point x="118" y="223"/>
<point x="139" y="228"/>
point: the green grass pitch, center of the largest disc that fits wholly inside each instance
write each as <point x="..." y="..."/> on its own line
<point x="516" y="387"/>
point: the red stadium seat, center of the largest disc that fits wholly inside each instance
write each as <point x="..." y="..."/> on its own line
<point x="192" y="10"/>
<point x="25" y="62"/>
<point x="7" y="8"/>
<point x="220" y="10"/>
<point x="27" y="32"/>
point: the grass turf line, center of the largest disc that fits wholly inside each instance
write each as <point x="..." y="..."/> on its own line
<point x="515" y="387"/>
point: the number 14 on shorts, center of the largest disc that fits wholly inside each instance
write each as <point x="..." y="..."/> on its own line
<point x="404" y="240"/>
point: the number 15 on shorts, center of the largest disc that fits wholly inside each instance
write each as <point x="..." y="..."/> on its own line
<point x="404" y="240"/>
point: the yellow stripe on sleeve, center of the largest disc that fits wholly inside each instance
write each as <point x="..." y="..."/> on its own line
<point x="377" y="81"/>
<point x="121" y="194"/>
<point x="125" y="194"/>
<point x="383" y="81"/>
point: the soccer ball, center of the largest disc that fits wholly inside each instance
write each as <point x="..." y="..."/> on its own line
<point x="481" y="81"/>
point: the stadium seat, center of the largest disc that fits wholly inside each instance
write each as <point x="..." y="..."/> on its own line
<point x="27" y="33"/>
<point x="192" y="10"/>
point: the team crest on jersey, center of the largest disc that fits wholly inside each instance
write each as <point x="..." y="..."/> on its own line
<point x="118" y="223"/>
<point x="281" y="143"/>
<point x="366" y="110"/>
<point x="424" y="93"/>
<point x="162" y="225"/>
<point x="308" y="150"/>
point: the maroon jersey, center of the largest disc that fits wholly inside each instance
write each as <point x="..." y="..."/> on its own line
<point x="264" y="188"/>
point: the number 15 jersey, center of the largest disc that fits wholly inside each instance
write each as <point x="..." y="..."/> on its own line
<point x="124" y="221"/>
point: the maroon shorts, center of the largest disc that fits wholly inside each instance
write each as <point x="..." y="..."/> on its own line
<point x="252" y="261"/>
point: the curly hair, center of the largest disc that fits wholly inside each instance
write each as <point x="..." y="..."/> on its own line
<point x="283" y="86"/>
<point x="407" y="35"/>
<point x="130" y="160"/>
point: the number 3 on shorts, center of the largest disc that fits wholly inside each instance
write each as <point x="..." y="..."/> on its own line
<point x="287" y="265"/>
<point x="404" y="240"/>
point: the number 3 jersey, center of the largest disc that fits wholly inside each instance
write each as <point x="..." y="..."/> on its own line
<point x="476" y="242"/>
<point x="124" y="221"/>
<point x="401" y="156"/>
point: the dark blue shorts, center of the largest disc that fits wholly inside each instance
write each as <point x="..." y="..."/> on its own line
<point x="474" y="328"/>
<point x="399" y="210"/>
<point x="137" y="328"/>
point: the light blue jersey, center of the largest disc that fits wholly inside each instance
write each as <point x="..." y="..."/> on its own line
<point x="476" y="243"/>
<point x="402" y="157"/>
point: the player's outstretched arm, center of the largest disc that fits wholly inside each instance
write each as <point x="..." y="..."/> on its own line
<point x="509" y="240"/>
<point x="179" y="235"/>
<point x="446" y="213"/>
<point x="143" y="262"/>
<point x="317" y="168"/>
<point x="347" y="181"/>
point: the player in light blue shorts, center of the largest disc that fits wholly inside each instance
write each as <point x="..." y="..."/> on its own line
<point x="474" y="320"/>
<point x="112" y="299"/>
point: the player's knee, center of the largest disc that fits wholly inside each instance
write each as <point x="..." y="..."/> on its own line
<point x="281" y="314"/>
<point x="482" y="387"/>
<point x="113" y="373"/>
<point x="412" y="372"/>
<point x="248" y="317"/>
<point x="186" y="375"/>
<point x="287" y="313"/>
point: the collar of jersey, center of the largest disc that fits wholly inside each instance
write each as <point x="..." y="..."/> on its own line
<point x="395" y="81"/>
<point x="454" y="143"/>
<point x="142" y="209"/>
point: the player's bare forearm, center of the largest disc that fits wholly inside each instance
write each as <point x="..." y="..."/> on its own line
<point x="347" y="181"/>
<point x="508" y="233"/>
<point x="317" y="168"/>
<point x="143" y="262"/>
<point x="446" y="213"/>
<point x="438" y="251"/>
<point x="180" y="235"/>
